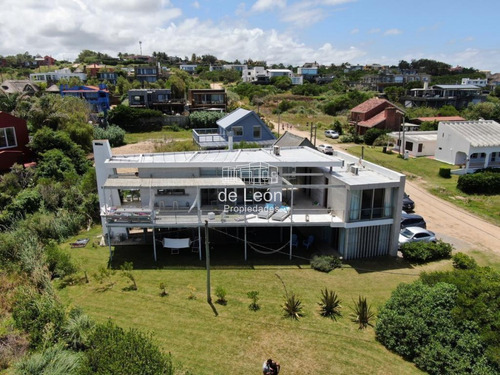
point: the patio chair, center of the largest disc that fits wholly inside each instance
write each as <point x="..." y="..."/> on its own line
<point x="266" y="212"/>
<point x="295" y="240"/>
<point x="308" y="242"/>
<point x="281" y="214"/>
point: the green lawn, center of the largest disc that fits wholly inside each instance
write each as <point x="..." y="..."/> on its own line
<point x="425" y="171"/>
<point x="158" y="135"/>
<point x="206" y="344"/>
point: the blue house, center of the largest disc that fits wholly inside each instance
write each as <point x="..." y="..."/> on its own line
<point x="96" y="96"/>
<point x="242" y="125"/>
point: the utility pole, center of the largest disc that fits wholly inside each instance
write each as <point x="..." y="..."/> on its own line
<point x="315" y="130"/>
<point x="207" y="256"/>
<point x="140" y="46"/>
<point x="279" y="122"/>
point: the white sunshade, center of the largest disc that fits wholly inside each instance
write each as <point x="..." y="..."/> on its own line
<point x="162" y="183"/>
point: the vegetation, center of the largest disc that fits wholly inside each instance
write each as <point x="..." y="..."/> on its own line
<point x="113" y="133"/>
<point x="135" y="119"/>
<point x="443" y="322"/>
<point x="329" y="304"/>
<point x="484" y="182"/>
<point x="362" y="313"/>
<point x="204" y="119"/>
<point x="325" y="263"/>
<point x="254" y="296"/>
<point x="463" y="261"/>
<point x="422" y="252"/>
<point x="445" y="172"/>
<point x="221" y="293"/>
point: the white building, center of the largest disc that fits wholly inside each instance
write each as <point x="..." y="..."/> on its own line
<point x="256" y="197"/>
<point x="416" y="143"/>
<point x="57" y="75"/>
<point x="481" y="82"/>
<point x="471" y="144"/>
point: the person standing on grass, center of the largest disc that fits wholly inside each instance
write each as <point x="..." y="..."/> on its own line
<point x="270" y="367"/>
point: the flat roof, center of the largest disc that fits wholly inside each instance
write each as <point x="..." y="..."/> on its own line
<point x="289" y="156"/>
<point x="165" y="183"/>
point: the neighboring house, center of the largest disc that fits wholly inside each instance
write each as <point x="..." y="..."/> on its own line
<point x="96" y="96"/>
<point x="376" y="113"/>
<point x="470" y="144"/>
<point x="149" y="98"/>
<point x="145" y="73"/>
<point x="239" y="125"/>
<point x="416" y="143"/>
<point x="378" y="82"/>
<point x="44" y="61"/>
<point x="109" y="76"/>
<point x="349" y="206"/>
<point x="92" y="69"/>
<point x="481" y="82"/>
<point x="13" y="141"/>
<point x="309" y="71"/>
<point x="257" y="75"/>
<point x="57" y="75"/>
<point x="458" y="96"/>
<point x="238" y="67"/>
<point x="21" y="86"/>
<point x="190" y="68"/>
<point x="207" y="99"/>
<point x="291" y="140"/>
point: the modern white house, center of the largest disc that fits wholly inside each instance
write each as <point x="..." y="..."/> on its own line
<point x="277" y="197"/>
<point x="470" y="144"/>
<point x="57" y="75"/>
<point x="415" y="143"/>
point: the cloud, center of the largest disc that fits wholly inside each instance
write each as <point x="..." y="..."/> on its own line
<point x="393" y="32"/>
<point x="335" y="2"/>
<point x="302" y="14"/>
<point x="264" y="5"/>
<point x="196" y="5"/>
<point x="355" y="31"/>
<point x="374" y="31"/>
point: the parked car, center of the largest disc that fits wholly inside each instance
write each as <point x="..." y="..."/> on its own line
<point x="408" y="204"/>
<point x="331" y="134"/>
<point x="412" y="220"/>
<point x="415" y="234"/>
<point x="326" y="149"/>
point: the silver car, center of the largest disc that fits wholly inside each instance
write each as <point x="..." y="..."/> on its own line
<point x="326" y="149"/>
<point x="415" y="234"/>
<point x="331" y="134"/>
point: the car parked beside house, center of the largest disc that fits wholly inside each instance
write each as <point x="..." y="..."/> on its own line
<point x="326" y="149"/>
<point x="412" y="220"/>
<point x="408" y="204"/>
<point x="331" y="134"/>
<point x="415" y="234"/>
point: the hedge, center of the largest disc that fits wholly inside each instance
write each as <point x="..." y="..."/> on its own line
<point x="423" y="252"/>
<point x="487" y="183"/>
<point x="136" y="119"/>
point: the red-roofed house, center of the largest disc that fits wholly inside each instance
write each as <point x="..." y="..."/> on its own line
<point x="13" y="141"/>
<point x="376" y="113"/>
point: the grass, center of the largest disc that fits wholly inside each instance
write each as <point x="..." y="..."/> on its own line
<point x="425" y="172"/>
<point x="203" y="343"/>
<point x="158" y="135"/>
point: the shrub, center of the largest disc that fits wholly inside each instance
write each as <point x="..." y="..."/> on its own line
<point x="372" y="134"/>
<point x="113" y="133"/>
<point x="136" y="119"/>
<point x="78" y="329"/>
<point x="58" y="261"/>
<point x="292" y="307"/>
<point x="126" y="269"/>
<point x="463" y="261"/>
<point x="254" y="296"/>
<point x="445" y="172"/>
<point x="221" y="293"/>
<point x="163" y="290"/>
<point x="422" y="252"/>
<point x="362" y="313"/>
<point x="204" y="119"/>
<point x="112" y="350"/>
<point x="329" y="304"/>
<point x="34" y="313"/>
<point x="480" y="183"/>
<point x="54" y="361"/>
<point x="325" y="263"/>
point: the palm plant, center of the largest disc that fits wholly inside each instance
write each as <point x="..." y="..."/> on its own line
<point x="292" y="307"/>
<point x="78" y="329"/>
<point x="330" y="304"/>
<point x="362" y="313"/>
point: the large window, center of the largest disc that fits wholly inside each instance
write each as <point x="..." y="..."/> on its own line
<point x="7" y="138"/>
<point x="369" y="204"/>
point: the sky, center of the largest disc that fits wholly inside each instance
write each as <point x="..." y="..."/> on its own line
<point x="292" y="32"/>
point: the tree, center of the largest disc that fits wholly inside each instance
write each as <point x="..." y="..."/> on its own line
<point x="281" y="82"/>
<point x="177" y="86"/>
<point x="394" y="93"/>
<point x="54" y="164"/>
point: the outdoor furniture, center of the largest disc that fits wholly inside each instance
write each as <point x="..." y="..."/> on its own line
<point x="308" y="242"/>
<point x="295" y="240"/>
<point x="174" y="244"/>
<point x="266" y="212"/>
<point x="282" y="213"/>
<point x="80" y="243"/>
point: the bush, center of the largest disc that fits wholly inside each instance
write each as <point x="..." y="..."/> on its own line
<point x="58" y="261"/>
<point x="254" y="296"/>
<point x="372" y="134"/>
<point x="221" y="293"/>
<point x="463" y="261"/>
<point x="136" y="119"/>
<point x="362" y="313"/>
<point x="112" y="350"/>
<point x="113" y="133"/>
<point x="422" y="252"/>
<point x="292" y="307"/>
<point x="445" y="172"/>
<point x="204" y="119"/>
<point x="54" y="361"/>
<point x="325" y="263"/>
<point x="480" y="183"/>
